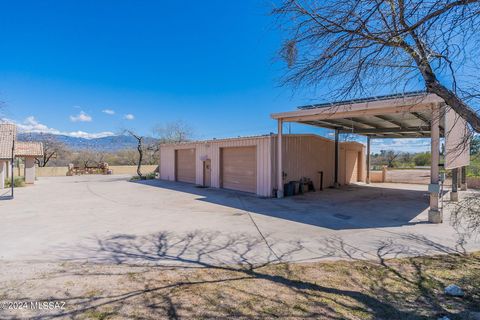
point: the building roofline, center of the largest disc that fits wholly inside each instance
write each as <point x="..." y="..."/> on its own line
<point x="272" y="135"/>
<point x="366" y="99"/>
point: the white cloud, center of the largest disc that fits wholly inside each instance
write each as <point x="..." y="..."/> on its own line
<point x="86" y="135"/>
<point x="109" y="112"/>
<point x="405" y="144"/>
<point x="129" y="116"/>
<point x="81" y="117"/>
<point x="31" y="125"/>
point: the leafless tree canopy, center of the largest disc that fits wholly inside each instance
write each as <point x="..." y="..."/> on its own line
<point x="52" y="148"/>
<point x="353" y="47"/>
<point x="174" y="132"/>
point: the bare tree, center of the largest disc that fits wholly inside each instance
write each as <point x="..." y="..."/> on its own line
<point x="173" y="132"/>
<point x="89" y="158"/>
<point x="352" y="46"/>
<point x="52" y="148"/>
<point x="139" y="139"/>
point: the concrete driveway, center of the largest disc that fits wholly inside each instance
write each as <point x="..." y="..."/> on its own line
<point x="109" y="219"/>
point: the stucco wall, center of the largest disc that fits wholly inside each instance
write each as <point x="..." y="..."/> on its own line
<point x="376" y="176"/>
<point x="360" y="149"/>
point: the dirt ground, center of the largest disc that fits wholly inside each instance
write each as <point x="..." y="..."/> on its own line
<point x="407" y="288"/>
<point x="106" y="248"/>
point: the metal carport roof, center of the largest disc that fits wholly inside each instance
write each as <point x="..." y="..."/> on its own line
<point x="394" y="116"/>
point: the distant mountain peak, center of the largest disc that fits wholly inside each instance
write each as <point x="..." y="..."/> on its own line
<point x="110" y="143"/>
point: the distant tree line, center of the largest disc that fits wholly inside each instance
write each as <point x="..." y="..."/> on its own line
<point x="57" y="154"/>
<point x="396" y="159"/>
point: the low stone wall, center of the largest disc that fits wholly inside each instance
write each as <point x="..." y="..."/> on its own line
<point x="416" y="176"/>
<point x="132" y="169"/>
<point x="408" y="176"/>
<point x="62" y="171"/>
<point x="473" y="182"/>
<point x="376" y="176"/>
<point x="51" y="171"/>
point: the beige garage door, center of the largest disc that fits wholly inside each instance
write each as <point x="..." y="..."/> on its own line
<point x="239" y="168"/>
<point x="351" y="167"/>
<point x="185" y="165"/>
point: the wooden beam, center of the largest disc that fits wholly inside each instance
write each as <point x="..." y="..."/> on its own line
<point x="434" y="214"/>
<point x="328" y="114"/>
<point x="389" y="130"/>
<point x="331" y="124"/>
<point x="368" y="160"/>
<point x="366" y="122"/>
<point x="421" y="117"/>
<point x="376" y="107"/>
<point x="280" y="191"/>
<point x="337" y="159"/>
<point x="394" y="122"/>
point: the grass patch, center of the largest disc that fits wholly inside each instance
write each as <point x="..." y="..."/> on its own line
<point x="409" y="288"/>
<point x="18" y="182"/>
<point x="148" y="176"/>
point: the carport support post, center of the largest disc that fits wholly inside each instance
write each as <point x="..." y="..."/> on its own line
<point x="434" y="214"/>
<point x="29" y="170"/>
<point x="3" y="170"/>
<point x="463" y="183"/>
<point x="337" y="154"/>
<point x="368" y="160"/>
<point x="454" y="193"/>
<point x="279" y="160"/>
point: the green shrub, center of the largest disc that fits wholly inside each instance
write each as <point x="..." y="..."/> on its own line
<point x="18" y="182"/>
<point x="148" y="176"/>
<point x="422" y="159"/>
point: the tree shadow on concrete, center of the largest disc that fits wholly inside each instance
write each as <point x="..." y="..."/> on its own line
<point x="370" y="290"/>
<point x="350" y="207"/>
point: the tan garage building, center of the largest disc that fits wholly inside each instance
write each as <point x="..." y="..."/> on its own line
<point x="249" y="164"/>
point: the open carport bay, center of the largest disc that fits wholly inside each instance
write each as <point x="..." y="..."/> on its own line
<point x="109" y="219"/>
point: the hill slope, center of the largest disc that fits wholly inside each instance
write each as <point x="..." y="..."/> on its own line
<point x="112" y="143"/>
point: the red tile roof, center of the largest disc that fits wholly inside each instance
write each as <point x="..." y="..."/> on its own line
<point x="8" y="133"/>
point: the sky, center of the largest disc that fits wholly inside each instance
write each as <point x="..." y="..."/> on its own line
<point x="94" y="68"/>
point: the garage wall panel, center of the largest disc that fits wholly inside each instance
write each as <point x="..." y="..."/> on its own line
<point x="305" y="156"/>
<point x="167" y="163"/>
<point x="185" y="165"/>
<point x="238" y="168"/>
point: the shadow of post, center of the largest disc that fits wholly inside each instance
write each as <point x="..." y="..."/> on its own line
<point x="210" y="250"/>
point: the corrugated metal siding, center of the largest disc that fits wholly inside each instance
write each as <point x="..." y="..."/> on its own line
<point x="305" y="156"/>
<point x="211" y="150"/>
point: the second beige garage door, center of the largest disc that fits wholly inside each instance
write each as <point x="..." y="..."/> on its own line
<point x="239" y="168"/>
<point x="185" y="165"/>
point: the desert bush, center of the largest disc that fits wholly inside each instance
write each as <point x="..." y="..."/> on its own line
<point x="17" y="182"/>
<point x="148" y="176"/>
<point x="422" y="159"/>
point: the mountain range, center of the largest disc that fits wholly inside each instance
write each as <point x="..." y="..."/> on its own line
<point x="109" y="144"/>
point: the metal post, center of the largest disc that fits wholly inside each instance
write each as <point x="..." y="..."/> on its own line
<point x="434" y="214"/>
<point x="13" y="158"/>
<point x="463" y="183"/>
<point x="368" y="160"/>
<point x="279" y="160"/>
<point x="337" y="154"/>
<point x="454" y="193"/>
